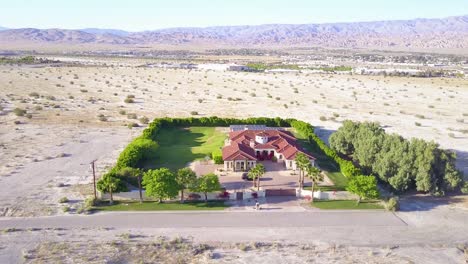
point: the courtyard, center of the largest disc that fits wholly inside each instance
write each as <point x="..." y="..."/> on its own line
<point x="275" y="177"/>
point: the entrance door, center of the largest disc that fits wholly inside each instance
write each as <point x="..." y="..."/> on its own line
<point x="239" y="196"/>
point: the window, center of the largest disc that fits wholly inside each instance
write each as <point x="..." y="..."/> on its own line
<point x="280" y="156"/>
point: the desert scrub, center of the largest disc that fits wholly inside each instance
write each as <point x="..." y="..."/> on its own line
<point x="129" y="100"/>
<point x="194" y="113"/>
<point x="63" y="200"/>
<point x="323" y="118"/>
<point x="19" y="111"/>
<point x="144" y="120"/>
<point x="132" y="116"/>
<point x="132" y="125"/>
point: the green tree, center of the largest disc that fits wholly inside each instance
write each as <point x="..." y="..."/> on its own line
<point x="365" y="187"/>
<point x="160" y="183"/>
<point x="302" y="161"/>
<point x="186" y="178"/>
<point x="108" y="183"/>
<point x="208" y="183"/>
<point x="315" y="175"/>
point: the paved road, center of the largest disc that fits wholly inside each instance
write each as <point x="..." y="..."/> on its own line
<point x="209" y="219"/>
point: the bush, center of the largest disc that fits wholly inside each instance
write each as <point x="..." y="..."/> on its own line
<point x="129" y="100"/>
<point x="194" y="113"/>
<point x="19" y="111"/>
<point x="144" y="120"/>
<point x="65" y="209"/>
<point x="393" y="204"/>
<point x="464" y="188"/>
<point x="63" y="200"/>
<point x="132" y="125"/>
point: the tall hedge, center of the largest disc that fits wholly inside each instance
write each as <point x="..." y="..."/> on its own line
<point x="347" y="168"/>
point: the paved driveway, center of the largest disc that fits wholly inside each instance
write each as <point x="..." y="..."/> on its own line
<point x="275" y="177"/>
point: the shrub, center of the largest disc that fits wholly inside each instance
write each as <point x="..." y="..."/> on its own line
<point x="65" y="209"/>
<point x="464" y="188"/>
<point x="90" y="202"/>
<point x="132" y="116"/>
<point x="34" y="94"/>
<point x="19" y="111"/>
<point x="132" y="125"/>
<point x="144" y="120"/>
<point x="393" y="204"/>
<point x="129" y="100"/>
<point x="29" y="116"/>
<point x="194" y="113"/>
<point x="323" y="118"/>
<point x="63" y="200"/>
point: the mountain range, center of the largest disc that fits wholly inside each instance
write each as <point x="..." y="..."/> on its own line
<point x="445" y="33"/>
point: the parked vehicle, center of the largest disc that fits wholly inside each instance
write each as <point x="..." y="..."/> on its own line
<point x="245" y="176"/>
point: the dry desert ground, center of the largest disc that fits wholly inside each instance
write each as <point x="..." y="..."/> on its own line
<point x="79" y="113"/>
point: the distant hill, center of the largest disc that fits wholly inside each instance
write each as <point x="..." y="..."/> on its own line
<point x="446" y="33"/>
<point x="3" y="28"/>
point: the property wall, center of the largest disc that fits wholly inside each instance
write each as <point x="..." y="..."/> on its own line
<point x="134" y="195"/>
<point x="340" y="195"/>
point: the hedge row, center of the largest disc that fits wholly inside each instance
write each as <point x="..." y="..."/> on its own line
<point x="347" y="168"/>
<point x="144" y="146"/>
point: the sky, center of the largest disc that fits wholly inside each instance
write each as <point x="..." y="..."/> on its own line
<point x="140" y="15"/>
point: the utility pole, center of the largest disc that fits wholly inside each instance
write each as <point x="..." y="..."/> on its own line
<point x="94" y="178"/>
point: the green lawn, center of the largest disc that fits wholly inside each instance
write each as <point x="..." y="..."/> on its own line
<point x="155" y="206"/>
<point x="328" y="165"/>
<point x="346" y="204"/>
<point x="179" y="146"/>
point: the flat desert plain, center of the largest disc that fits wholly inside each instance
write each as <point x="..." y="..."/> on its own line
<point x="79" y="113"/>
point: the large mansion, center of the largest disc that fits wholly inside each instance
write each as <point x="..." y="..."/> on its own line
<point x="250" y="144"/>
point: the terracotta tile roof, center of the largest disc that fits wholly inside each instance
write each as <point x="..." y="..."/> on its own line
<point x="281" y="141"/>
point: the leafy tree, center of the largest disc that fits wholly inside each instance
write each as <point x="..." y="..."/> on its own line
<point x="185" y="178"/>
<point x="208" y="183"/>
<point x="302" y="161"/>
<point x="365" y="187"/>
<point x="403" y="164"/>
<point x="109" y="182"/>
<point x="315" y="175"/>
<point x="133" y="173"/>
<point x="160" y="183"/>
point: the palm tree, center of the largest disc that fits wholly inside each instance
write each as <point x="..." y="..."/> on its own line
<point x="301" y="163"/>
<point x="315" y="175"/>
<point x="260" y="171"/>
<point x="252" y="174"/>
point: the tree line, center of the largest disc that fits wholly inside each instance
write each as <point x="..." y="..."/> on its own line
<point x="402" y="164"/>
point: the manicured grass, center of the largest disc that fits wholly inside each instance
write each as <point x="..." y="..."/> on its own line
<point x="328" y="165"/>
<point x="346" y="204"/>
<point x="179" y="146"/>
<point x="155" y="206"/>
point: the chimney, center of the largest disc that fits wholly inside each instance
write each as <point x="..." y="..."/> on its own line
<point x="252" y="143"/>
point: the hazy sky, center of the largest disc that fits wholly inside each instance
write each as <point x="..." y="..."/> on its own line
<point x="136" y="15"/>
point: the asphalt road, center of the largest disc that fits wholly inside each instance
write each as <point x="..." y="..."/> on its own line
<point x="209" y="219"/>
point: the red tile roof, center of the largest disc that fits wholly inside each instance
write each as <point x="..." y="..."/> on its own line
<point x="281" y="141"/>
